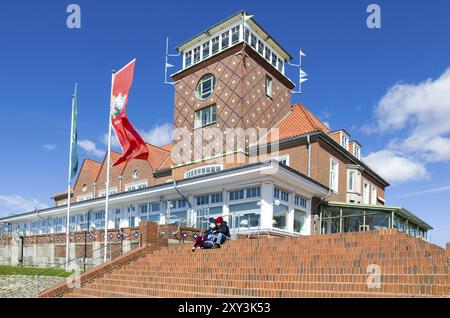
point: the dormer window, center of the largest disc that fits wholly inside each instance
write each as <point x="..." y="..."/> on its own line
<point x="215" y="45"/>
<point x="344" y="141"/>
<point x="235" y="34"/>
<point x="225" y="40"/>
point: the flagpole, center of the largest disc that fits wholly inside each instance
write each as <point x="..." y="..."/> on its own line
<point x="105" y="256"/>
<point x="69" y="190"/>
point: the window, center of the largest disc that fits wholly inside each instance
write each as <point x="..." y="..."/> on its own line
<point x="84" y="188"/>
<point x="260" y="47"/>
<point x="143" y="212"/>
<point x="299" y="221"/>
<point x="237" y="195"/>
<point x="205" y="116"/>
<point x="344" y="141"/>
<point x="280" y="65"/>
<point x="366" y="193"/>
<point x="205" y="49"/>
<point x="217" y="198"/>
<point x="72" y="223"/>
<point x="280" y="194"/>
<point x="35" y="227"/>
<point x="203" y="170"/>
<point x="268" y="86"/>
<point x="103" y="192"/>
<point x="99" y="220"/>
<point x="300" y="201"/>
<point x="253" y="41"/>
<point x="280" y="215"/>
<point x="253" y="192"/>
<point x="136" y="186"/>
<point x="205" y="86"/>
<point x="351" y="180"/>
<point x="247" y="35"/>
<point x="274" y="59"/>
<point x="245" y="215"/>
<point x="197" y="54"/>
<point x="84" y="197"/>
<point x="117" y="218"/>
<point x="225" y="39"/>
<point x="58" y="224"/>
<point x="334" y="175"/>
<point x="284" y="160"/>
<point x="131" y="216"/>
<point x="235" y="34"/>
<point x="357" y="151"/>
<point x="215" y="45"/>
<point x="188" y="58"/>
<point x="373" y="196"/>
<point x="203" y="200"/>
<point x="268" y="53"/>
<point x="135" y="174"/>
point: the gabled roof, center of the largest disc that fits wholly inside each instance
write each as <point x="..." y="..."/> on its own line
<point x="157" y="155"/>
<point x="91" y="167"/>
<point x="299" y="121"/>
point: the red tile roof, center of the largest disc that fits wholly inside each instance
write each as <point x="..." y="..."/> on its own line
<point x="157" y="155"/>
<point x="299" y="121"/>
<point x="92" y="166"/>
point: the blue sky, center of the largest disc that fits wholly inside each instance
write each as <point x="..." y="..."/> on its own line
<point x="387" y="87"/>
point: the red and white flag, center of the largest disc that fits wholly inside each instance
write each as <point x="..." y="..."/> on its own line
<point x="133" y="147"/>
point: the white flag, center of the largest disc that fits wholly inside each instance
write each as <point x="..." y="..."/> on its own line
<point x="247" y="17"/>
<point x="301" y="53"/>
<point x="302" y="80"/>
<point x="169" y="65"/>
<point x="303" y="74"/>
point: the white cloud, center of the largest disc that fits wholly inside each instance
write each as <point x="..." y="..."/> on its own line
<point x="394" y="167"/>
<point x="426" y="191"/>
<point x="419" y="116"/>
<point x="114" y="142"/>
<point x="423" y="112"/>
<point x="18" y="204"/>
<point x="91" y="148"/>
<point x="49" y="147"/>
<point x="159" y="135"/>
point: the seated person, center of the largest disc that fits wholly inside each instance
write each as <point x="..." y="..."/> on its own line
<point x="217" y="235"/>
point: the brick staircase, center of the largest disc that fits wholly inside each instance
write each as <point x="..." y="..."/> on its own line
<point x="334" y="265"/>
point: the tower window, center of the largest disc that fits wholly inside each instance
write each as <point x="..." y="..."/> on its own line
<point x="280" y="65"/>
<point x="188" y="58"/>
<point x="205" y="116"/>
<point x="253" y="41"/>
<point x="205" y="86"/>
<point x="260" y="47"/>
<point x="268" y="86"/>
<point x="197" y="54"/>
<point x="205" y="50"/>
<point x="247" y="35"/>
<point x="225" y="39"/>
<point x="268" y="53"/>
<point x="215" y="45"/>
<point x="274" y="60"/>
<point x="235" y="34"/>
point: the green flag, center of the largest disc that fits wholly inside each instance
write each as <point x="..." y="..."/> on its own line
<point x="73" y="143"/>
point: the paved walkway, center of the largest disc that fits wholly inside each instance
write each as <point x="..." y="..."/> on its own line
<point x="20" y="286"/>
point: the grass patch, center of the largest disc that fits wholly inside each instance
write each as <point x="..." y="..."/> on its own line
<point x="32" y="271"/>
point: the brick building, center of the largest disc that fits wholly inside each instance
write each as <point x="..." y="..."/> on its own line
<point x="233" y="77"/>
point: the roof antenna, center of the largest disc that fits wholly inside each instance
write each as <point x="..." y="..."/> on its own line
<point x="301" y="74"/>
<point x="166" y="64"/>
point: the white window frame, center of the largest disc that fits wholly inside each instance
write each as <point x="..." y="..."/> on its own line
<point x="136" y="185"/>
<point x="269" y="86"/>
<point x="366" y="195"/>
<point x="357" y="150"/>
<point x="198" y="171"/>
<point x="199" y="92"/>
<point x="334" y="183"/>
<point x="198" y="116"/>
<point x="85" y="197"/>
<point x="344" y="140"/>
<point x="373" y="194"/>
<point x="102" y="193"/>
<point x="284" y="158"/>
<point x="351" y="186"/>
